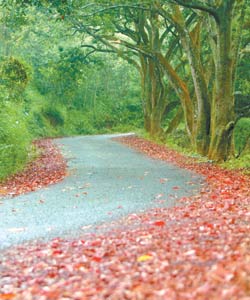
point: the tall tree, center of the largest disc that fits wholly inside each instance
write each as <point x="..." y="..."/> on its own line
<point x="225" y="19"/>
<point x="138" y="34"/>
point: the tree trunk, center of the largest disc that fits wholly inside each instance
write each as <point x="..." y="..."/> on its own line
<point x="222" y="116"/>
<point x="202" y="129"/>
<point x="156" y="102"/>
<point x="226" y="17"/>
<point x="181" y="90"/>
<point x="175" y="121"/>
<point x="191" y="47"/>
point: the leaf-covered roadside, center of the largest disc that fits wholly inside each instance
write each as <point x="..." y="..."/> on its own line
<point x="49" y="167"/>
<point x="199" y="250"/>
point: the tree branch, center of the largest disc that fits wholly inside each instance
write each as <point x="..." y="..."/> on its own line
<point x="135" y="48"/>
<point x="198" y="5"/>
<point x="124" y="55"/>
<point x="95" y="49"/>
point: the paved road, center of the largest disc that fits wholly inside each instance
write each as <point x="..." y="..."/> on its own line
<point x="106" y="181"/>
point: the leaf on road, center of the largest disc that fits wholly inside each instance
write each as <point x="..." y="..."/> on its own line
<point x="7" y="296"/>
<point x="159" y="223"/>
<point x="163" y="180"/>
<point x="144" y="257"/>
<point x="97" y="259"/>
<point x="175" y="187"/>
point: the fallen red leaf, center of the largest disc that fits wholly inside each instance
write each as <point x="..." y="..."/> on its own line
<point x="159" y="223"/>
<point x="7" y="296"/>
<point x="175" y="187"/>
<point x="57" y="252"/>
<point x="97" y="259"/>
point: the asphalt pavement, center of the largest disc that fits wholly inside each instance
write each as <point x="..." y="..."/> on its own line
<point x="106" y="181"/>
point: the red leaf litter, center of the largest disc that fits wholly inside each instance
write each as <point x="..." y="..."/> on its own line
<point x="199" y="250"/>
<point x="48" y="168"/>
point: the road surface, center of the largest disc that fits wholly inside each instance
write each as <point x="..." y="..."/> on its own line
<point x="106" y="181"/>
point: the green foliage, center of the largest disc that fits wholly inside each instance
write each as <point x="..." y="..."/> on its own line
<point x="243" y="163"/>
<point x="13" y="79"/>
<point x="242" y="134"/>
<point x="14" y="143"/>
<point x="94" y="95"/>
<point x="242" y="83"/>
<point x="38" y="125"/>
<point x="13" y="71"/>
<point x="53" y="115"/>
<point x="178" y="139"/>
<point x="14" y="136"/>
<point x="77" y="123"/>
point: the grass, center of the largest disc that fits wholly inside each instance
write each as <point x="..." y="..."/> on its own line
<point x="241" y="163"/>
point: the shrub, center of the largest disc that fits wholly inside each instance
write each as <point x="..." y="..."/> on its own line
<point x="179" y="139"/>
<point x="54" y="115"/>
<point x="14" y="78"/>
<point x="14" y="144"/>
<point x="78" y="123"/>
<point x="38" y="126"/>
<point x="242" y="134"/>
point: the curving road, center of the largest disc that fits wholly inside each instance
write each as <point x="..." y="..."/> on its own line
<point x="106" y="181"/>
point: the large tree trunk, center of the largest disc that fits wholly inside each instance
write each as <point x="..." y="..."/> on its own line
<point x="222" y="120"/>
<point x="154" y="96"/>
<point x="155" y="100"/>
<point x="202" y="130"/>
<point x="223" y="117"/>
<point x="191" y="44"/>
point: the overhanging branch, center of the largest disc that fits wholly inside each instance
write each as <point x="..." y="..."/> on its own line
<point x="198" y="5"/>
<point x="95" y="49"/>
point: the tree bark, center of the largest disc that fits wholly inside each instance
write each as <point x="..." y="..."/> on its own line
<point x="191" y="47"/>
<point x="153" y="86"/>
<point x="154" y="96"/>
<point x="182" y="91"/>
<point x="223" y="117"/>
<point x="175" y="121"/>
<point x="226" y="17"/>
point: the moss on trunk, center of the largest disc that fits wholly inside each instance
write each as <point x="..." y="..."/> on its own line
<point x="222" y="116"/>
